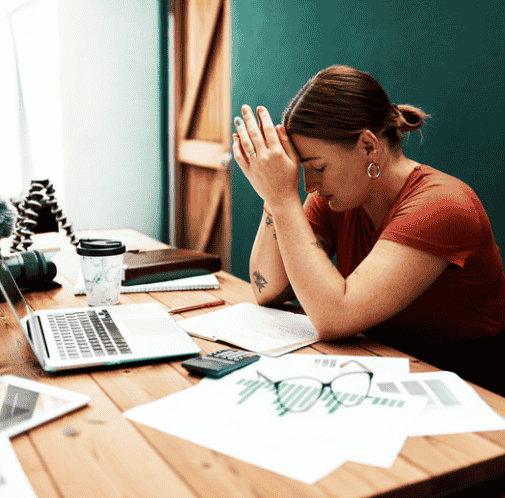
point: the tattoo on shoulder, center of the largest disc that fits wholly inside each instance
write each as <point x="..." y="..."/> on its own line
<point x="268" y="220"/>
<point x="259" y="280"/>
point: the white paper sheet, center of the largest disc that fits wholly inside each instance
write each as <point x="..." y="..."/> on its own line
<point x="13" y="482"/>
<point x="451" y="405"/>
<point x="231" y="416"/>
<point x="325" y="367"/>
<point x="255" y="328"/>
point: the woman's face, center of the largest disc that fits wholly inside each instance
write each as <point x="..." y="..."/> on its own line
<point x="334" y="172"/>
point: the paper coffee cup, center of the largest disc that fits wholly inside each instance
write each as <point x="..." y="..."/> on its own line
<point x="102" y="266"/>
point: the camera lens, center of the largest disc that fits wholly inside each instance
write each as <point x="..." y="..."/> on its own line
<point x="30" y="269"/>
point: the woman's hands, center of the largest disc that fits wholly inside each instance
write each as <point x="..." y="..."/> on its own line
<point x="266" y="157"/>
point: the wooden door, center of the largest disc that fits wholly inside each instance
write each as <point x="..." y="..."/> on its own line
<point x="203" y="126"/>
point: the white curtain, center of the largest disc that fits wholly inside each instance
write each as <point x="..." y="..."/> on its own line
<point x="31" y="143"/>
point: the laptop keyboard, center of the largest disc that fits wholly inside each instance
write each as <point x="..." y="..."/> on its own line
<point x="82" y="334"/>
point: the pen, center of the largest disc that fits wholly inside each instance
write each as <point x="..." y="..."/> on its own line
<point x="197" y="306"/>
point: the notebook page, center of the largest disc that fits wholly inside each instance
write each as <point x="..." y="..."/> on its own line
<point x="254" y="328"/>
<point x="199" y="282"/>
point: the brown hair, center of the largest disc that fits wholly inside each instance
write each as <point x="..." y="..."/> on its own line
<point x="339" y="102"/>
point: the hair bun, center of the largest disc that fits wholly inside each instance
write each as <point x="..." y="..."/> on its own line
<point x="411" y="118"/>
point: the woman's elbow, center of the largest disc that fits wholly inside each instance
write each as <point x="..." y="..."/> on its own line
<point x="328" y="333"/>
<point x="262" y="299"/>
<point x="334" y="330"/>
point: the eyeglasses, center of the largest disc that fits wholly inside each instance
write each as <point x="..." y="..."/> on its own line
<point x="299" y="394"/>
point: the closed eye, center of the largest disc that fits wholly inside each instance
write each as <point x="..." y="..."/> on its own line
<point x="320" y="170"/>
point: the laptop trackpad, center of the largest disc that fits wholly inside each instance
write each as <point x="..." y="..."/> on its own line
<point x="138" y="327"/>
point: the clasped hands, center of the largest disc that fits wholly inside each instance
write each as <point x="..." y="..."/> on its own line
<point x="267" y="157"/>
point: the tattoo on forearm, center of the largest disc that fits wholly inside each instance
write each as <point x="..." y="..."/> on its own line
<point x="259" y="280"/>
<point x="269" y="221"/>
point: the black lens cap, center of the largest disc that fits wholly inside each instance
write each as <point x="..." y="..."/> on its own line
<point x="100" y="247"/>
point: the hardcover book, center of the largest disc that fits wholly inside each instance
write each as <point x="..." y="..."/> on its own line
<point x="167" y="264"/>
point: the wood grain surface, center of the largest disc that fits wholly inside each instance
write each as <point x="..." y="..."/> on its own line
<point x="96" y="452"/>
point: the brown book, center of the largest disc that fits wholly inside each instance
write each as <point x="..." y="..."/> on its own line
<point x="146" y="267"/>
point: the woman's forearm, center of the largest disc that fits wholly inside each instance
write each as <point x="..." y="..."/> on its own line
<point x="318" y="285"/>
<point x="266" y="269"/>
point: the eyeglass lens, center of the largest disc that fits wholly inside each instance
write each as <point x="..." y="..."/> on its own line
<point x="351" y="388"/>
<point x="300" y="394"/>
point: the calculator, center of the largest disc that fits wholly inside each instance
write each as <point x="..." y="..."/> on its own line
<point x="220" y="363"/>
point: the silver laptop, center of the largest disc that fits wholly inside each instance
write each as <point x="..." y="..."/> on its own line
<point x="80" y="337"/>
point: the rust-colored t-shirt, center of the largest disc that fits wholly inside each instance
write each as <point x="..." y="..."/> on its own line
<point x="441" y="215"/>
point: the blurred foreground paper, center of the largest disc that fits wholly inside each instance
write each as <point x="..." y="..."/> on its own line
<point x="13" y="482"/>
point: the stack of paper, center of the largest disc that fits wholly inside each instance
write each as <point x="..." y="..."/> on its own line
<point x="254" y="328"/>
<point x="308" y="445"/>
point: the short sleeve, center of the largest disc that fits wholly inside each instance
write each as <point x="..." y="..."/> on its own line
<point x="443" y="220"/>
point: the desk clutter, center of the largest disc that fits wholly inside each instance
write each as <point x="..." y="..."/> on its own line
<point x="199" y="282"/>
<point x="300" y="416"/>
<point x="170" y="269"/>
<point x="146" y="267"/>
<point x="39" y="212"/>
<point x="249" y="423"/>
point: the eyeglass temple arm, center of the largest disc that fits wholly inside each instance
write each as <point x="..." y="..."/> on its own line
<point x="356" y="361"/>
<point x="266" y="378"/>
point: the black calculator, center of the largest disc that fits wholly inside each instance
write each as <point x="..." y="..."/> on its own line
<point x="220" y="363"/>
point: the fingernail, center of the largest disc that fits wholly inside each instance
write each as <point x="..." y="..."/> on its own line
<point x="235" y="137"/>
<point x="260" y="109"/>
<point x="245" y="108"/>
<point x="238" y="121"/>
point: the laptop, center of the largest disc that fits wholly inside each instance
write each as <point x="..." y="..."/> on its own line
<point x="63" y="339"/>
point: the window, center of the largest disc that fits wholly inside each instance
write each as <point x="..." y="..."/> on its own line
<point x="31" y="144"/>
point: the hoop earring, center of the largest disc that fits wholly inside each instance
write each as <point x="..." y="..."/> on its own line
<point x="369" y="171"/>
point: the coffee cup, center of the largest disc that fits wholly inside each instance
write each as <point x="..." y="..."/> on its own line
<point x="102" y="269"/>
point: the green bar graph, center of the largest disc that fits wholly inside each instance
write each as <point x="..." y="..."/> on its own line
<point x="297" y="396"/>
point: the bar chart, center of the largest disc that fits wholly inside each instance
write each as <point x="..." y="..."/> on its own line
<point x="296" y="395"/>
<point x="436" y="392"/>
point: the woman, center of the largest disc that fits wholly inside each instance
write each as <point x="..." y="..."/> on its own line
<point x="417" y="264"/>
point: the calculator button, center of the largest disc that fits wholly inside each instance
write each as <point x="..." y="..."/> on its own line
<point x="221" y="360"/>
<point x="220" y="363"/>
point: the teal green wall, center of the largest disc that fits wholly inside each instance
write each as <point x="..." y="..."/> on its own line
<point x="445" y="56"/>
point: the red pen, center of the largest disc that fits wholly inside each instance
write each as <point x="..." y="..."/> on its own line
<point x="197" y="306"/>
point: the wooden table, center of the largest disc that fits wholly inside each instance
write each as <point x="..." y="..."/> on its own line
<point x="96" y="452"/>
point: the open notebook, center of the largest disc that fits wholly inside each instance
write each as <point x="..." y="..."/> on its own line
<point x="199" y="282"/>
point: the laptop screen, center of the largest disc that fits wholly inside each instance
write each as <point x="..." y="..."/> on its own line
<point x="11" y="293"/>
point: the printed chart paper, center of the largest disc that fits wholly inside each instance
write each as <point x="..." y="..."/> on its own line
<point x="246" y="422"/>
<point x="451" y="405"/>
<point x="326" y="367"/>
